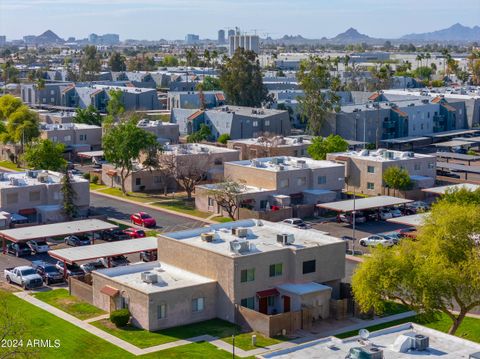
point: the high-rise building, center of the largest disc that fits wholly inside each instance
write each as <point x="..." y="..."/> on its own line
<point x="221" y="36"/>
<point x="30" y="39"/>
<point x="231" y="32"/>
<point x="3" y="40"/>
<point x="248" y="42"/>
<point x="192" y="39"/>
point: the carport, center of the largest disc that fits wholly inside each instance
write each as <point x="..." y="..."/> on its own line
<point x="443" y="189"/>
<point x="104" y="250"/>
<point x="459" y="168"/>
<point x="457" y="156"/>
<point x="90" y="155"/>
<point x="414" y="220"/>
<point x="61" y="229"/>
<point x="362" y="204"/>
<point x="454" y="143"/>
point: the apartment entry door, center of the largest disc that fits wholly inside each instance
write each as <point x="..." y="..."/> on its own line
<point x="263" y="305"/>
<point x="286" y="303"/>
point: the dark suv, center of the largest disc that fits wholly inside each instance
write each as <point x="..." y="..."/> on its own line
<point x="49" y="273"/>
<point x="19" y="249"/>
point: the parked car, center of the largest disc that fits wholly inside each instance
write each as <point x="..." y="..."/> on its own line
<point x="19" y="249"/>
<point x="115" y="234"/>
<point x="73" y="270"/>
<point x="447" y="174"/>
<point x="297" y="223"/>
<point x="91" y="266"/>
<point x="396" y="212"/>
<point x="394" y="236"/>
<point x="135" y="233"/>
<point x="148" y="256"/>
<point x="116" y="261"/>
<point x="418" y="206"/>
<point x="76" y="241"/>
<point x="24" y="276"/>
<point x="38" y="246"/>
<point x="49" y="273"/>
<point x="385" y="214"/>
<point x="376" y="240"/>
<point x="143" y="219"/>
<point x="348" y="217"/>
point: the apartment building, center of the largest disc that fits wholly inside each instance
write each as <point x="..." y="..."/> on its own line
<point x="166" y="132"/>
<point x="247" y="42"/>
<point x="194" y="99"/>
<point x="251" y="148"/>
<point x="37" y="195"/>
<point x="364" y="169"/>
<point x="245" y="272"/>
<point x="182" y="158"/>
<point x="275" y="183"/>
<point x="55" y="117"/>
<point x="77" y="136"/>
<point x="236" y="121"/>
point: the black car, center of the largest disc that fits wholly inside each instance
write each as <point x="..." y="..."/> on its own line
<point x="76" y="241"/>
<point x="19" y="249"/>
<point x="148" y="256"/>
<point x="72" y="269"/>
<point x="49" y="273"/>
<point x="114" y="235"/>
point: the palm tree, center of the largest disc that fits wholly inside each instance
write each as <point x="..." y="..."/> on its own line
<point x="214" y="58"/>
<point x="446" y="57"/>
<point x="428" y="57"/>
<point x="419" y="59"/>
<point x="346" y="60"/>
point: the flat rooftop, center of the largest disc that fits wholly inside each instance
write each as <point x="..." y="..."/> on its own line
<point x="155" y="123"/>
<point x="277" y="141"/>
<point x="194" y="148"/>
<point x="441" y="345"/>
<point x="414" y="220"/>
<point x="169" y="277"/>
<point x="261" y="237"/>
<point x="67" y="126"/>
<point x="247" y="111"/>
<point x="442" y="189"/>
<point x="33" y="178"/>
<point x="284" y="163"/>
<point x="382" y="155"/>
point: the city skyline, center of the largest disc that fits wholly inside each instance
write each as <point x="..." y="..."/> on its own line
<point x="166" y="19"/>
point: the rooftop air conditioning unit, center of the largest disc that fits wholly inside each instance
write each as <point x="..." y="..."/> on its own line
<point x="277" y="160"/>
<point x="149" y="277"/>
<point x="301" y="163"/>
<point x="285" y="238"/>
<point x="239" y="246"/>
<point x="240" y="232"/>
<point x="421" y="342"/>
<point x="411" y="154"/>
<point x="207" y="237"/>
<point x="31" y="174"/>
<point x="14" y="181"/>
<point x="367" y="352"/>
<point x="300" y="139"/>
<point x="388" y="155"/>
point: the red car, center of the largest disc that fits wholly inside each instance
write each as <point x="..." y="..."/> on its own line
<point x="135" y="233"/>
<point x="143" y="219"/>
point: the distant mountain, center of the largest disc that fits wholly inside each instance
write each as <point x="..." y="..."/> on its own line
<point x="351" y="36"/>
<point x="49" y="37"/>
<point x="456" y="32"/>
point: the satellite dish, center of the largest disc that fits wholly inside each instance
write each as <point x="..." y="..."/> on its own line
<point x="364" y="334"/>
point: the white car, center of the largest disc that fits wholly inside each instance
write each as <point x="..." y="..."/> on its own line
<point x="376" y="240"/>
<point x="396" y="212"/>
<point x="385" y="214"/>
<point x="297" y="223"/>
<point x="38" y="246"/>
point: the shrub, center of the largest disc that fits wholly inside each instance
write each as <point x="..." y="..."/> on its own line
<point x="86" y="176"/>
<point x="94" y="179"/>
<point x="120" y="317"/>
<point x="223" y="138"/>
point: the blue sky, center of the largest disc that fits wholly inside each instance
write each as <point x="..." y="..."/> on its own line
<point x="172" y="19"/>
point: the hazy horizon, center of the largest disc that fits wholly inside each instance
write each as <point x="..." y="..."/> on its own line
<point x="173" y="19"/>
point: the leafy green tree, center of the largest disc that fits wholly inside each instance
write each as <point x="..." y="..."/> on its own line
<point x="8" y="105"/>
<point x="209" y="83"/>
<point x="223" y="138"/>
<point x="123" y="142"/>
<point x="45" y="155"/>
<point x="116" y="62"/>
<point x="170" y="61"/>
<point x="89" y="116"/>
<point x="115" y="107"/>
<point x="320" y="89"/>
<point x="89" y="63"/>
<point x="461" y="196"/>
<point x="397" y="178"/>
<point x="320" y="146"/>
<point x="437" y="273"/>
<point x="21" y="127"/>
<point x="423" y="72"/>
<point x="203" y="134"/>
<point x="241" y="79"/>
<point x="70" y="209"/>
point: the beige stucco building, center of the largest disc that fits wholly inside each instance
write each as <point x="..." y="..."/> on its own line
<point x="260" y="274"/>
<point x="364" y="169"/>
<point x="78" y="136"/>
<point x="251" y="148"/>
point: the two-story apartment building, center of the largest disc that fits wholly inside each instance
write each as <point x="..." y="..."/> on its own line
<point x="245" y="272"/>
<point x="77" y="136"/>
<point x="364" y="169"/>
<point x="165" y="132"/>
<point x="37" y="194"/>
<point x="194" y="99"/>
<point x="251" y="148"/>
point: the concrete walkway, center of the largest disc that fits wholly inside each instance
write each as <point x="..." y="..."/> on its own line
<point x="94" y="319"/>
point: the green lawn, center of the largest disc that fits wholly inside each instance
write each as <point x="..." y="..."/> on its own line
<point x="140" y="197"/>
<point x="470" y="328"/>
<point x="94" y="186"/>
<point x="144" y="338"/>
<point x="222" y="219"/>
<point x="75" y="342"/>
<point x="244" y="341"/>
<point x="10" y="165"/>
<point x="61" y="299"/>
<point x="182" y="206"/>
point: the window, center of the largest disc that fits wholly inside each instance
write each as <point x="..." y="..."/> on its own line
<point x="417" y="167"/>
<point x="371" y="169"/>
<point x="156" y="179"/>
<point x="211" y="201"/>
<point x="267" y="122"/>
<point x="301" y="181"/>
<point x="322" y="179"/>
<point x="54" y="138"/>
<point x="198" y="304"/>
<point x="248" y="302"/>
<point x="161" y="311"/>
<point x="421" y="126"/>
<point x="67" y="138"/>
<point x="218" y="161"/>
<point x="34" y="196"/>
<point x="255" y="123"/>
<point x="83" y="137"/>
<point x="284" y="183"/>
<point x="52" y="99"/>
<point x="247" y="275"/>
<point x="138" y="181"/>
<point x="431" y="165"/>
<point x="52" y="92"/>
<point x="370" y="185"/>
<point x="309" y="266"/>
<point x="276" y="270"/>
<point x="12" y="198"/>
<point x="271" y="301"/>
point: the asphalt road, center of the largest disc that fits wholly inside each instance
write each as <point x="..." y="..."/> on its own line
<point x="114" y="208"/>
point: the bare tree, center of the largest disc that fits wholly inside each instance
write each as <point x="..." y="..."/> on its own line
<point x="190" y="171"/>
<point x="226" y="195"/>
<point x="166" y="169"/>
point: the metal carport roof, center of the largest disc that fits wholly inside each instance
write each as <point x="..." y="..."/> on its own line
<point x="414" y="220"/>
<point x="457" y="156"/>
<point x="363" y="203"/>
<point x="458" y="167"/>
<point x="60" y="229"/>
<point x="85" y="253"/>
<point x="442" y="189"/>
